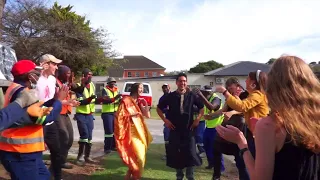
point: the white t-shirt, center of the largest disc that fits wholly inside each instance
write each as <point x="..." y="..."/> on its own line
<point x="46" y="88"/>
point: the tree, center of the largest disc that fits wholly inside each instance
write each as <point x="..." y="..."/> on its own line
<point x="2" y="3"/>
<point x="32" y="30"/>
<point x="204" y="67"/>
<point x="271" y="61"/>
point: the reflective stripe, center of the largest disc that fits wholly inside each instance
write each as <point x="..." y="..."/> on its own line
<point x="111" y="107"/>
<point x="20" y="140"/>
<point x="89" y="142"/>
<point x="83" y="140"/>
<point x="108" y="135"/>
<point x="200" y="144"/>
<point x="40" y="120"/>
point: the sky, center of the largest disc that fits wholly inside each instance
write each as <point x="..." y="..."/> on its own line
<point x="178" y="34"/>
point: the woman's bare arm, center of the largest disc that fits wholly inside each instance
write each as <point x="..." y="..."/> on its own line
<point x="263" y="166"/>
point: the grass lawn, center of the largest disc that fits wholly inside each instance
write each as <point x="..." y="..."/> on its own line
<point x="155" y="168"/>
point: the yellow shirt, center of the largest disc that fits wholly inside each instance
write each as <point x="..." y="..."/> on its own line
<point x="255" y="105"/>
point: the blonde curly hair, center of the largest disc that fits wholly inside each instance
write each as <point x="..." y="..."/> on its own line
<point x="293" y="91"/>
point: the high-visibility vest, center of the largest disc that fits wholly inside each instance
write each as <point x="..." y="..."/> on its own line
<point x="89" y="108"/>
<point x="66" y="109"/>
<point x="23" y="139"/>
<point x="112" y="107"/>
<point x="216" y="121"/>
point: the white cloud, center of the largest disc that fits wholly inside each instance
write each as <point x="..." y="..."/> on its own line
<point x="221" y="30"/>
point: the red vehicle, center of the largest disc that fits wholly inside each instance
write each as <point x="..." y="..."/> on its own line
<point x="147" y="92"/>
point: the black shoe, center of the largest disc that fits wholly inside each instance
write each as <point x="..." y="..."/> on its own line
<point x="107" y="151"/>
<point x="66" y="166"/>
<point x="209" y="167"/>
<point x="87" y="152"/>
<point x="215" y="178"/>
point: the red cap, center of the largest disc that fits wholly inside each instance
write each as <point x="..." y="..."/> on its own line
<point x="23" y="67"/>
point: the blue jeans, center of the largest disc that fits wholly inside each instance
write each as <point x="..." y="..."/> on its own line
<point x="199" y="136"/>
<point x="166" y="133"/>
<point x="25" y="166"/>
<point x="85" y="126"/>
<point x="209" y="136"/>
<point x="108" y="122"/>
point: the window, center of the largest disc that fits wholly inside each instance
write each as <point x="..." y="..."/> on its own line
<point x="154" y="74"/>
<point x="194" y="86"/>
<point x="146" y="74"/>
<point x="129" y="74"/>
<point x="145" y="88"/>
<point x="137" y="74"/>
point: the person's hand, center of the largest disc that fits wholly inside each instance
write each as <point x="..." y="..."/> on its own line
<point x="73" y="102"/>
<point x="169" y="124"/>
<point x="35" y="110"/>
<point x="93" y="96"/>
<point x="231" y="134"/>
<point x="62" y="93"/>
<point x="26" y="98"/>
<point x="207" y="116"/>
<point x="227" y="115"/>
<point x="45" y="65"/>
<point x="118" y="96"/>
<point x="220" y="88"/>
<point x="197" y="91"/>
<point x="194" y="124"/>
<point x="143" y="102"/>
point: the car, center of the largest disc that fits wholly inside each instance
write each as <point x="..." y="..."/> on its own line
<point x="147" y="91"/>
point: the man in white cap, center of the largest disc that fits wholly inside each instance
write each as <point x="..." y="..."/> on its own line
<point x="46" y="87"/>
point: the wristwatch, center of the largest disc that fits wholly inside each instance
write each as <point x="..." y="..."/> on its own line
<point x="242" y="151"/>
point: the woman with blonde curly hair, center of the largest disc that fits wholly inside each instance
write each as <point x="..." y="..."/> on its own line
<point x="288" y="141"/>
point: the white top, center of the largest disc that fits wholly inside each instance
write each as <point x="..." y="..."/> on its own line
<point x="46" y="88"/>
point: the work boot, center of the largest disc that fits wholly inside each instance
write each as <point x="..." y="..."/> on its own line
<point x="87" y="152"/>
<point x="80" y="153"/>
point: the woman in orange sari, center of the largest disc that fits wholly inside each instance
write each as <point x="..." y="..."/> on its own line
<point x="131" y="133"/>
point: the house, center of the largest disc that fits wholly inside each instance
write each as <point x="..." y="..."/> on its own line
<point x="135" y="67"/>
<point x="239" y="69"/>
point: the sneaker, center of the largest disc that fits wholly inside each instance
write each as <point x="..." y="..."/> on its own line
<point x="202" y="155"/>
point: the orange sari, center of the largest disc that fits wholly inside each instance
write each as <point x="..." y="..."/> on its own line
<point x="132" y="136"/>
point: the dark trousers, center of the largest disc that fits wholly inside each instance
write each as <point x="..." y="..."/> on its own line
<point x="108" y="124"/>
<point x="189" y="173"/>
<point x="243" y="174"/>
<point x="209" y="136"/>
<point x="199" y="136"/>
<point x="251" y="145"/>
<point x="66" y="136"/>
<point x="51" y="137"/>
<point x="24" y="166"/>
<point x="85" y="126"/>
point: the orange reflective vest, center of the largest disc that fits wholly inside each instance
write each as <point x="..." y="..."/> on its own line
<point x="24" y="139"/>
<point x="66" y="109"/>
